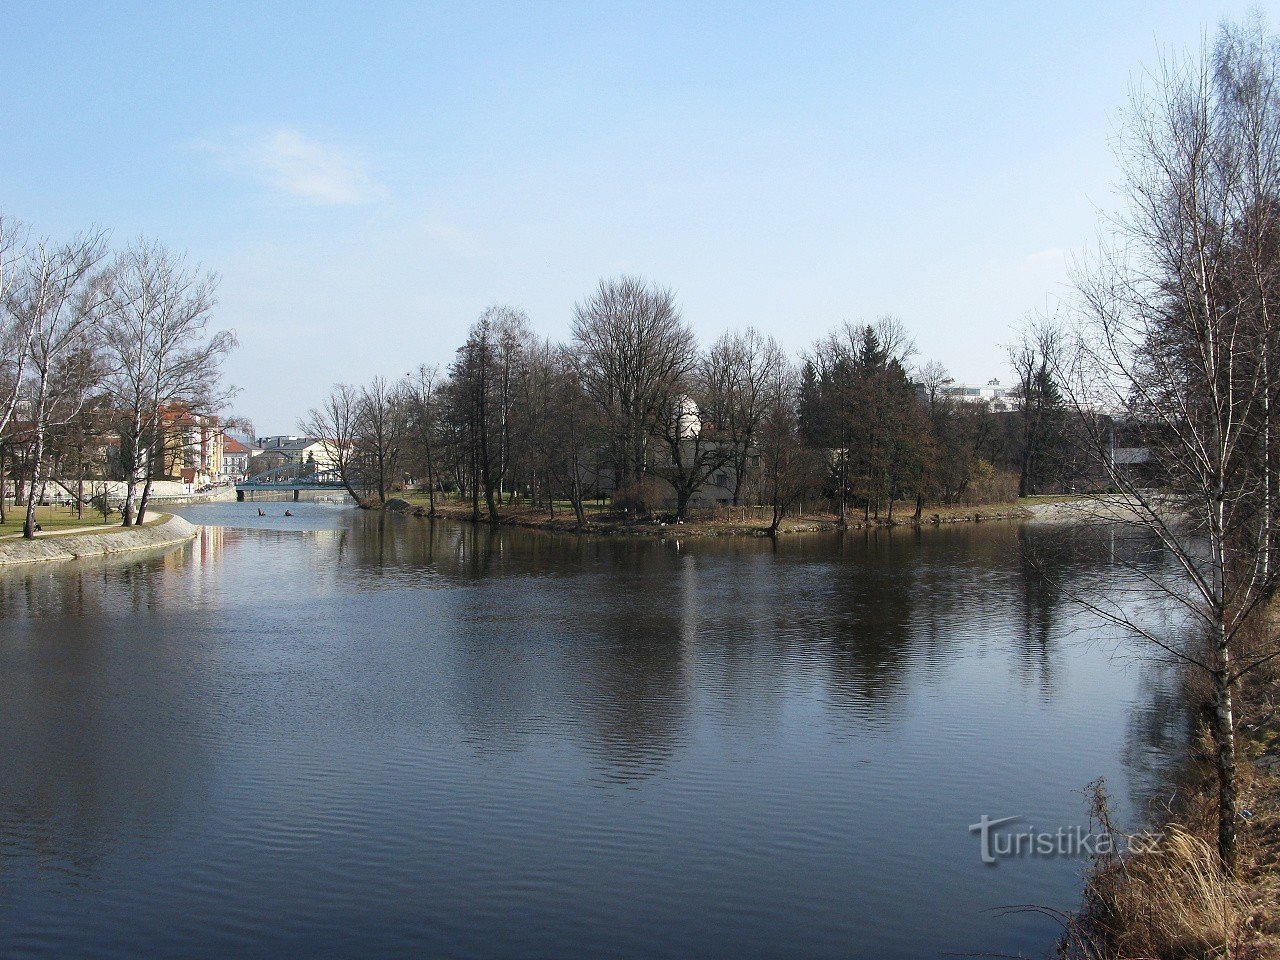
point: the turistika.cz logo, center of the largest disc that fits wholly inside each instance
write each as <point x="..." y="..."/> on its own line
<point x="998" y="840"/>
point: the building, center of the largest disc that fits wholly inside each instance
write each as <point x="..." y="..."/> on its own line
<point x="308" y="454"/>
<point x="999" y="398"/>
<point x="191" y="448"/>
<point x="235" y="459"/>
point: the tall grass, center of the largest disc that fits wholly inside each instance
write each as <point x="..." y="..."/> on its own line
<point x="1168" y="901"/>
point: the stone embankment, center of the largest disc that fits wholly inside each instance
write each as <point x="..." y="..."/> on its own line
<point x="166" y="531"/>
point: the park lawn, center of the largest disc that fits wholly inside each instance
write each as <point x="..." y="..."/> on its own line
<point x="51" y="519"/>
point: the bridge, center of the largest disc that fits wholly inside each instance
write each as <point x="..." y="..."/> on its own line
<point x="288" y="479"/>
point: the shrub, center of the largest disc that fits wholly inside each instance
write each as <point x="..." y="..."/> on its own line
<point x="989" y="485"/>
<point x="638" y="497"/>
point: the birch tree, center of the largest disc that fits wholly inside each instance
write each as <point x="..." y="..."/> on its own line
<point x="56" y="299"/>
<point x="163" y="357"/>
<point x="1175" y="333"/>
<point x="15" y="329"/>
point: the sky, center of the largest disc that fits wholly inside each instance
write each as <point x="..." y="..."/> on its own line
<point x="365" y="178"/>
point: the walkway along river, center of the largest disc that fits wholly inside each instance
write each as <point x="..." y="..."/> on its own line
<point x="354" y="734"/>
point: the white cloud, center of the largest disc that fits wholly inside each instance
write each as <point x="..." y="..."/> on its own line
<point x="286" y="160"/>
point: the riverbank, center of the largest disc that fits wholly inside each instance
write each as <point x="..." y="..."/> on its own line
<point x="165" y="530"/>
<point x="1169" y="901"/>
<point x="721" y="522"/>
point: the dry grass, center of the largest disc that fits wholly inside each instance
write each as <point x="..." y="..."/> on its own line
<point x="1169" y="902"/>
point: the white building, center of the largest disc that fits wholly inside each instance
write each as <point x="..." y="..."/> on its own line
<point x="1001" y="399"/>
<point x="293" y="449"/>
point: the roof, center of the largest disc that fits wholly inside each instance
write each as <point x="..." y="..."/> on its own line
<point x="232" y="445"/>
<point x="286" y="443"/>
<point x="1131" y="456"/>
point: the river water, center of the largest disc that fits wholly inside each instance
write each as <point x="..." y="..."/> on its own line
<point x="346" y="734"/>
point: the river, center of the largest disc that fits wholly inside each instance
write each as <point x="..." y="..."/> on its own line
<point x="347" y="734"/>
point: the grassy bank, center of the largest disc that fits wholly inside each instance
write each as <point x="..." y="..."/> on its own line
<point x="51" y="519"/>
<point x="1171" y="902"/>
<point x="720" y="521"/>
<point x="162" y="530"/>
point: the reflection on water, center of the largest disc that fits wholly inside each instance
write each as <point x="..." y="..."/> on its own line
<point x="352" y="734"/>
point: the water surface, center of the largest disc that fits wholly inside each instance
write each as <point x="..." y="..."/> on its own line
<point x="344" y="734"/>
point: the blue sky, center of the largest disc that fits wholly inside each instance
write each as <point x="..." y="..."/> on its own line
<point x="366" y="178"/>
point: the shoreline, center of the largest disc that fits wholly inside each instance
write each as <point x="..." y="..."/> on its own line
<point x="168" y="530"/>
<point x="613" y="526"/>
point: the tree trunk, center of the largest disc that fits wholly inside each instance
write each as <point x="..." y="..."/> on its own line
<point x="136" y="458"/>
<point x="776" y="502"/>
<point x="739" y="471"/>
<point x="4" y="483"/>
<point x="1224" y="736"/>
<point x="475" y="484"/>
<point x="844" y="473"/>
<point x="575" y="491"/>
<point x="145" y="499"/>
<point x="29" y="527"/>
<point x="682" y="503"/>
<point x="37" y="455"/>
<point x="431" y="485"/>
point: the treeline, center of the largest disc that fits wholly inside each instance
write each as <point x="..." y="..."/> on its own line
<point x="99" y="351"/>
<point x="633" y="407"/>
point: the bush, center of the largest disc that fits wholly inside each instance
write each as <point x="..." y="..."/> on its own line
<point x="638" y="497"/>
<point x="989" y="485"/>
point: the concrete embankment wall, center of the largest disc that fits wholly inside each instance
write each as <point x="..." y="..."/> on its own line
<point x="162" y="491"/>
<point x="170" y="531"/>
<point x="213" y="496"/>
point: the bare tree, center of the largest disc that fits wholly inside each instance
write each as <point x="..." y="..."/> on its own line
<point x="577" y="429"/>
<point x="336" y="424"/>
<point x="422" y="397"/>
<point x="162" y="355"/>
<point x="16" y="330"/>
<point x="789" y="468"/>
<point x="1175" y="333"/>
<point x="695" y="447"/>
<point x="484" y="375"/>
<point x="78" y="426"/>
<point x="632" y="352"/>
<point x="379" y="434"/>
<point x="1041" y="413"/>
<point x="57" y="299"/>
<point x="741" y="367"/>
